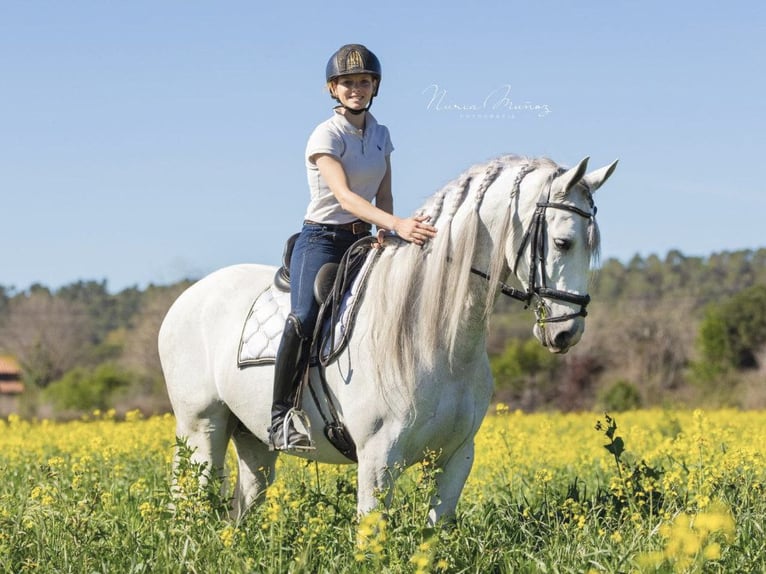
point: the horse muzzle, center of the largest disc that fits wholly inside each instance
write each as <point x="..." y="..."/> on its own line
<point x="559" y="337"/>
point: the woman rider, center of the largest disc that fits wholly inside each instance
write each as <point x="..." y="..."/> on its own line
<point x="349" y="175"/>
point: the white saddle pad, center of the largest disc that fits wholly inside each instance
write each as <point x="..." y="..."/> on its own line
<point x="262" y="331"/>
<point x="263" y="327"/>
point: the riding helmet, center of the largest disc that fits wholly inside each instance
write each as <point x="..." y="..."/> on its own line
<point x="354" y="59"/>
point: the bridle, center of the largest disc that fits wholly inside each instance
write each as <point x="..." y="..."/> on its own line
<point x="535" y="236"/>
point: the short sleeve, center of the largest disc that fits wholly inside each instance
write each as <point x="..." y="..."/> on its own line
<point x="324" y="140"/>
<point x="388" y="145"/>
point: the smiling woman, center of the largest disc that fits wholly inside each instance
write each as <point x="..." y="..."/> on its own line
<point x="354" y="92"/>
<point x="349" y="172"/>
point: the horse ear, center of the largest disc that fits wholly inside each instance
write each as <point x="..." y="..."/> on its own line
<point x="596" y="179"/>
<point x="572" y="177"/>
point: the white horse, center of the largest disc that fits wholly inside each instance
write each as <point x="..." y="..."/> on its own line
<point x="414" y="377"/>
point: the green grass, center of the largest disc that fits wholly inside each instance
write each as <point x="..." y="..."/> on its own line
<point x="69" y="505"/>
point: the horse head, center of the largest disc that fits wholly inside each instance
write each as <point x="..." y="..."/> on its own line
<point x="559" y="241"/>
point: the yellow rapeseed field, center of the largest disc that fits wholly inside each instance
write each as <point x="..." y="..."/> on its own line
<point x="674" y="491"/>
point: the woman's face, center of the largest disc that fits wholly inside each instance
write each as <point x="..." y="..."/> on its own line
<point x="355" y="90"/>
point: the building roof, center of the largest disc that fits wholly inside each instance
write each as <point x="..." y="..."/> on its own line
<point x="11" y="387"/>
<point x="8" y="366"/>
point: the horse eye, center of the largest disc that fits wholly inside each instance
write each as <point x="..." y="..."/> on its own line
<point x="563" y="244"/>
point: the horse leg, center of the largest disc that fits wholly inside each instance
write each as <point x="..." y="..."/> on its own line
<point x="376" y="475"/>
<point x="256" y="471"/>
<point x="450" y="482"/>
<point x="206" y="435"/>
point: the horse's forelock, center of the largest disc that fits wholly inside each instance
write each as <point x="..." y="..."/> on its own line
<point x="593" y="235"/>
<point x="594" y="242"/>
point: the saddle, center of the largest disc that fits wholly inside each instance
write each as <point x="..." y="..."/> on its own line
<point x="323" y="282"/>
<point x="335" y="288"/>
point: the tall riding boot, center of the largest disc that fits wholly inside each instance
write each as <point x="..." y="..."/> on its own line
<point x="292" y="361"/>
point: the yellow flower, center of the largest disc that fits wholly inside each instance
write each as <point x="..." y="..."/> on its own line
<point x="133" y="416"/>
<point x="650" y="561"/>
<point x="712" y="551"/>
<point x="421" y="561"/>
<point x="544" y="476"/>
<point x="56" y="462"/>
<point x="702" y="500"/>
<point x="227" y="536"/>
<point x="371" y="533"/>
<point x="145" y="509"/>
<point x="717" y="519"/>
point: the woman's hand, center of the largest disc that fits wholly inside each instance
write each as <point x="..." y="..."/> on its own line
<point x="416" y="230"/>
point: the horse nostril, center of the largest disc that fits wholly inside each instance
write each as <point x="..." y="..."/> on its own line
<point x="562" y="339"/>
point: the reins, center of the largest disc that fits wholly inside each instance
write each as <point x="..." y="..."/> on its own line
<point x="535" y="237"/>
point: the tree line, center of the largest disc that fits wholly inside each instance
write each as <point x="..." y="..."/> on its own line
<point x="81" y="347"/>
<point x="660" y="332"/>
<point x="678" y="330"/>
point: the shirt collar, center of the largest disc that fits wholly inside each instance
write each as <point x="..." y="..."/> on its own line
<point x="342" y="122"/>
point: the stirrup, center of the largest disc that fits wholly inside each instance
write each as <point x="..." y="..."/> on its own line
<point x="302" y="442"/>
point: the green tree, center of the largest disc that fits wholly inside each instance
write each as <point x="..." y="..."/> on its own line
<point x="86" y="389"/>
<point x="641" y="279"/>
<point x="522" y="362"/>
<point x="609" y="280"/>
<point x="46" y="334"/>
<point x="94" y="298"/>
<point x="759" y="267"/>
<point x="621" y="396"/>
<point x="733" y="332"/>
<point x="4" y="301"/>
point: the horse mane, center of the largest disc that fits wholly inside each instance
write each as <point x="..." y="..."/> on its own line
<point x="418" y="296"/>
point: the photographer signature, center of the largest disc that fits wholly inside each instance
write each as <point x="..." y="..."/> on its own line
<point x="497" y="102"/>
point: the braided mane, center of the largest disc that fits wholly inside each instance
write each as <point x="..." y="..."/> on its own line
<point x="419" y="297"/>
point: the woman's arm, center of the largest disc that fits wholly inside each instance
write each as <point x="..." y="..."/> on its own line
<point x="385" y="198"/>
<point x="414" y="229"/>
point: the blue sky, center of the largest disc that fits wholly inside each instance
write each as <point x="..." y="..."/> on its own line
<point x="144" y="142"/>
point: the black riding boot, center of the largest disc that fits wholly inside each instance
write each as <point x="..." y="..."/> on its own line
<point x="292" y="361"/>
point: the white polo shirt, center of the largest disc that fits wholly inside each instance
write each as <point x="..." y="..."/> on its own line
<point x="363" y="156"/>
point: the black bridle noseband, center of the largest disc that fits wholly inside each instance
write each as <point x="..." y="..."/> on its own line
<point x="535" y="236"/>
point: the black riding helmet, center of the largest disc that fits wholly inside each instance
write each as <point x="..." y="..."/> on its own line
<point x="354" y="59"/>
